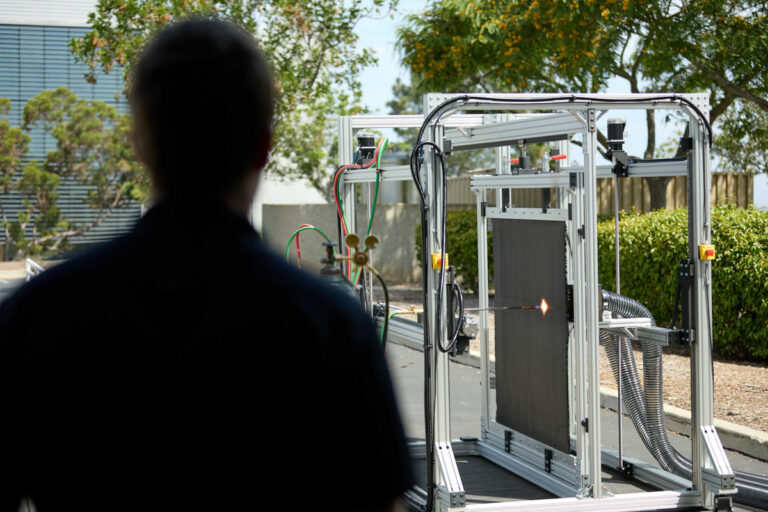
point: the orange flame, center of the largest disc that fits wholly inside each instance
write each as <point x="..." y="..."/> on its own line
<point x="544" y="307"/>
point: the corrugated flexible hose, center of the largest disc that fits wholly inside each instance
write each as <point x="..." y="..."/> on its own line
<point x="645" y="404"/>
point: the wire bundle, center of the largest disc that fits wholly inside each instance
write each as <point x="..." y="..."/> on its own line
<point x="295" y="235"/>
<point x="355" y="277"/>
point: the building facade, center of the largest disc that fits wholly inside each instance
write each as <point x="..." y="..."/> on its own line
<point x="35" y="56"/>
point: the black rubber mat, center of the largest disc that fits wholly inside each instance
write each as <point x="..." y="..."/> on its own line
<point x="531" y="348"/>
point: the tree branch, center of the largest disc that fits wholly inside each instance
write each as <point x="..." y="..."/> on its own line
<point x="734" y="89"/>
<point x="720" y="108"/>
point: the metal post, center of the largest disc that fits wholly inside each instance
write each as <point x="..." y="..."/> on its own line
<point x="592" y="309"/>
<point x="702" y="391"/>
<point x="441" y="411"/>
<point x="482" y="266"/>
<point x="616" y="219"/>
<point x="619" y="343"/>
<point x="346" y="154"/>
<point x="579" y="331"/>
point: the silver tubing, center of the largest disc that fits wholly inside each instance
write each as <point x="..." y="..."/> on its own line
<point x="645" y="404"/>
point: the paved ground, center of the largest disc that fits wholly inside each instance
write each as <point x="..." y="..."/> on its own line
<point x="8" y="284"/>
<point x="407" y="367"/>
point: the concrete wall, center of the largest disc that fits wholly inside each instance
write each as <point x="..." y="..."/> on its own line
<point x="394" y="225"/>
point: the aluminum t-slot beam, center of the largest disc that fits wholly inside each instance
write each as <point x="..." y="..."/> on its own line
<point x="642" y="330"/>
<point x="404" y="332"/>
<point x="411" y="121"/>
<point x="390" y="173"/>
<point x="661" y="169"/>
<point x="519" y="131"/>
<point x="543" y="180"/>
<point x="721" y="476"/>
<point x="573" y="101"/>
<point x="563" y="178"/>
<point x="660" y="335"/>
<point x="632" y="502"/>
<point x="452" y="491"/>
<point x="527" y="214"/>
<point x="645" y="472"/>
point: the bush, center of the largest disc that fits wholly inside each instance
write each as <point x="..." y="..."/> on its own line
<point x="651" y="248"/>
<point x="461" y="245"/>
<point x="652" y="245"/>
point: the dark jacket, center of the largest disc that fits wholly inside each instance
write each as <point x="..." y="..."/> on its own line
<point x="184" y="366"/>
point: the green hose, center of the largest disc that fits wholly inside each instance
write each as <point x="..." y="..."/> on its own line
<point x="295" y="233"/>
<point x="375" y="198"/>
<point x="376" y="193"/>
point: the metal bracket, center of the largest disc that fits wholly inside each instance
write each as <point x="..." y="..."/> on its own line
<point x="722" y="477"/>
<point x="585" y="492"/>
<point x="450" y="474"/>
<point x="723" y="504"/>
<point x="628" y="470"/>
<point x="548" y="460"/>
<point x="508" y="441"/>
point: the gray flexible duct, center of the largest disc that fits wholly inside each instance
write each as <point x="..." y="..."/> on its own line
<point x="646" y="404"/>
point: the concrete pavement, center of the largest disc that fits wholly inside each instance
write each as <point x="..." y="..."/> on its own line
<point x="407" y="368"/>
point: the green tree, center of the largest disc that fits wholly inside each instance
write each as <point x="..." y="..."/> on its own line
<point x="407" y="100"/>
<point x="553" y="46"/>
<point x="311" y="46"/>
<point x="14" y="144"/>
<point x="93" y="149"/>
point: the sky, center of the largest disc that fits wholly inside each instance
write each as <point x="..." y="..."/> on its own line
<point x="380" y="34"/>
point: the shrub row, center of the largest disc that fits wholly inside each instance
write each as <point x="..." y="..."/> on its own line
<point x="651" y="248"/>
<point x="461" y="242"/>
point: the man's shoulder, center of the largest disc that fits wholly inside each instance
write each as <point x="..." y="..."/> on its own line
<point x="85" y="266"/>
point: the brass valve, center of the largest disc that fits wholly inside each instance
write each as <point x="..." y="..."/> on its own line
<point x="359" y="258"/>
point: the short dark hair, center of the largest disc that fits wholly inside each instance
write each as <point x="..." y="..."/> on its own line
<point x="202" y="98"/>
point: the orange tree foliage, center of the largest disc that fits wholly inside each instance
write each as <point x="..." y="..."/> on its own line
<point x="717" y="46"/>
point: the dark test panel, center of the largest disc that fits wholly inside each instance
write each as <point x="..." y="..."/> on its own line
<point x="531" y="348"/>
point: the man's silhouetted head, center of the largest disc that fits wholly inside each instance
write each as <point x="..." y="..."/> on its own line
<point x="202" y="99"/>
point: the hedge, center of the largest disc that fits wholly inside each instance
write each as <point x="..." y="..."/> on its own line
<point x="651" y="248"/>
<point x="462" y="246"/>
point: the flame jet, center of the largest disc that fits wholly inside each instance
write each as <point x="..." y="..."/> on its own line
<point x="543" y="306"/>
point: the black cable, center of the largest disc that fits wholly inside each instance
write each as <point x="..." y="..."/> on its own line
<point x="572" y="98"/>
<point x="415" y="168"/>
<point x="428" y="426"/>
<point x="460" y="298"/>
<point x="386" y="306"/>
